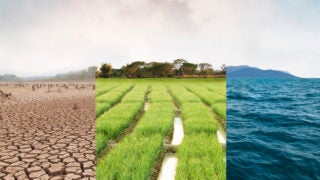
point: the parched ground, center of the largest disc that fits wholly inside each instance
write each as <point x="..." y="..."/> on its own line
<point x="47" y="135"/>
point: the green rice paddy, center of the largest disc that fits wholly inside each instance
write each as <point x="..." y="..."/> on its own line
<point x="130" y="138"/>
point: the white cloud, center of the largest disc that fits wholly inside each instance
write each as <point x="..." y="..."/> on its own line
<point x="47" y="37"/>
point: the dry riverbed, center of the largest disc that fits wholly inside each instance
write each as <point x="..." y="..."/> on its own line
<point x="47" y="132"/>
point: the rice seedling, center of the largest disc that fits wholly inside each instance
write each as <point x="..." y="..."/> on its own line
<point x="135" y="156"/>
<point x="200" y="155"/>
<point x="101" y="107"/>
<point x="137" y="151"/>
<point x="216" y="101"/>
<point x="103" y="89"/>
<point x="115" y="95"/>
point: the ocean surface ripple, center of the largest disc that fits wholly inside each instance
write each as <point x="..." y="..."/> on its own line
<point x="273" y="128"/>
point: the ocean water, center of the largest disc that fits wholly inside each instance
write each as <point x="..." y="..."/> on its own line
<point x="273" y="128"/>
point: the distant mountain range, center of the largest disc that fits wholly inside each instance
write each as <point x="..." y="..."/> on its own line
<point x="253" y="72"/>
<point x="84" y="74"/>
<point x="9" y="77"/>
<point x="12" y="78"/>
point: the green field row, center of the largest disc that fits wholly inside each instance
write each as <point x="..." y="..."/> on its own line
<point x="134" y="138"/>
<point x="135" y="155"/>
<point x="200" y="155"/>
<point x="111" y="123"/>
<point x="215" y="100"/>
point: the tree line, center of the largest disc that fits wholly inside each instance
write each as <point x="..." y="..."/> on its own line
<point x="178" y="68"/>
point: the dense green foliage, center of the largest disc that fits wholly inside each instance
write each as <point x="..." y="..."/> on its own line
<point x="141" y="69"/>
<point x="105" y="70"/>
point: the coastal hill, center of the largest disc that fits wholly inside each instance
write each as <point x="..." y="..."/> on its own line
<point x="245" y="71"/>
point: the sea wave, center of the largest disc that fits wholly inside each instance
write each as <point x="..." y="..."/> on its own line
<point x="273" y="129"/>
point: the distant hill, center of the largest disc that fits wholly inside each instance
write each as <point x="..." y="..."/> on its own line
<point x="84" y="74"/>
<point x="231" y="69"/>
<point x="253" y="72"/>
<point x="9" y="77"/>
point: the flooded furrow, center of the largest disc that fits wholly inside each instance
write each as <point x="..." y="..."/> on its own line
<point x="170" y="161"/>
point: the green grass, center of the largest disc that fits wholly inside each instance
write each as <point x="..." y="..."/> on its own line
<point x="200" y="155"/>
<point x="157" y="120"/>
<point x="182" y="95"/>
<point x="117" y="118"/>
<point x="135" y="155"/>
<point x="111" y="123"/>
<point x="103" y="89"/>
<point x="198" y="120"/>
<point x="101" y="142"/>
<point x="133" y="158"/>
<point x="101" y="107"/>
<point x="216" y="101"/>
<point x="218" y="87"/>
<point x="137" y="94"/>
<point x="159" y="94"/>
<point x="221" y="109"/>
<point x="113" y="96"/>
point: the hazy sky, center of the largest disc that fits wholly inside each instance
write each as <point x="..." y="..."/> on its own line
<point x="44" y="37"/>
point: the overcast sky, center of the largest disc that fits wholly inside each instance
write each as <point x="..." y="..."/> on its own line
<point x="42" y="37"/>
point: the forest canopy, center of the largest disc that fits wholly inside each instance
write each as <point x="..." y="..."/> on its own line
<point x="178" y="68"/>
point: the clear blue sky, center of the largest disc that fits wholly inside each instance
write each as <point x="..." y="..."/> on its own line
<point x="45" y="37"/>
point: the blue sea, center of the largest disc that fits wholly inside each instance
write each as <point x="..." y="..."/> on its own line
<point x="273" y="128"/>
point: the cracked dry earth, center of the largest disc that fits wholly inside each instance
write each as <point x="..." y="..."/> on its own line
<point x="47" y="135"/>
